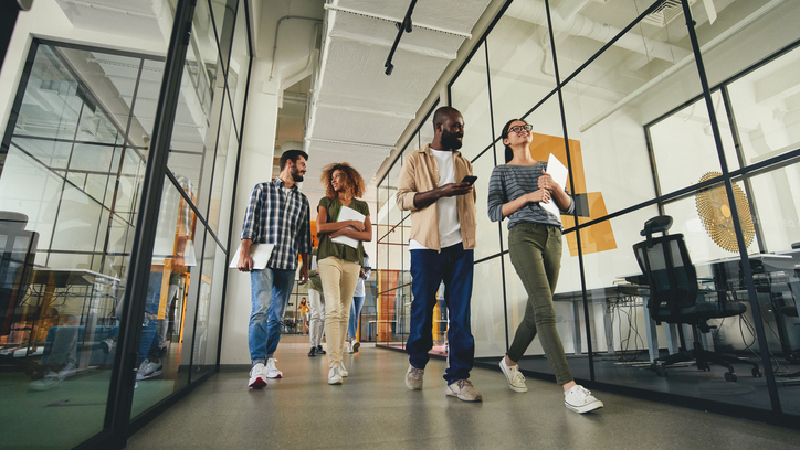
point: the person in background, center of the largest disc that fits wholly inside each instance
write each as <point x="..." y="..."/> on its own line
<point x="339" y="263"/>
<point x="355" y="308"/>
<point x="316" y="321"/>
<point x="304" y="313"/>
<point x="517" y="191"/>
<point x="443" y="225"/>
<point x="278" y="214"/>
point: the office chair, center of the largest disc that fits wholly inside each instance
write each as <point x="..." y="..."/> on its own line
<point x="676" y="298"/>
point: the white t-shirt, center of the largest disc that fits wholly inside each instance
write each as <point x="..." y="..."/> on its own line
<point x="449" y="226"/>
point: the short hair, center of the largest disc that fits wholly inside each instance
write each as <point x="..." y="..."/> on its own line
<point x="353" y="183"/>
<point x="293" y="155"/>
<point x="441" y="113"/>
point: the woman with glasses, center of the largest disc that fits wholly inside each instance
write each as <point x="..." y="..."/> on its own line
<point x="339" y="263"/>
<point x="517" y="190"/>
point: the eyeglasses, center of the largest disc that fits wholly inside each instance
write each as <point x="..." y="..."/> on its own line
<point x="519" y="128"/>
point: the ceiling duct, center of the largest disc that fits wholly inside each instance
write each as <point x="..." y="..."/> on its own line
<point x="535" y="11"/>
<point x="666" y="13"/>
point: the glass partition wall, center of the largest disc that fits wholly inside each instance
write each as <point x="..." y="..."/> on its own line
<point x="662" y="108"/>
<point x="76" y="158"/>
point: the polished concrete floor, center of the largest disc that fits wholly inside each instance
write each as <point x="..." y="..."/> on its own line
<point x="374" y="409"/>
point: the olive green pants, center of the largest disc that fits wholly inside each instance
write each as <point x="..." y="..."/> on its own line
<point x="535" y="251"/>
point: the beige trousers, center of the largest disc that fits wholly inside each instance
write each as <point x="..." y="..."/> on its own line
<point x="339" y="278"/>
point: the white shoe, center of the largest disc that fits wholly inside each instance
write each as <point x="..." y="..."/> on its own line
<point x="342" y="370"/>
<point x="142" y="368"/>
<point x="355" y="345"/>
<point x="349" y="347"/>
<point x="580" y="400"/>
<point x="150" y="370"/>
<point x="516" y="380"/>
<point x="48" y="381"/>
<point x="272" y="371"/>
<point x="258" y="376"/>
<point x="334" y="377"/>
<point x="68" y="370"/>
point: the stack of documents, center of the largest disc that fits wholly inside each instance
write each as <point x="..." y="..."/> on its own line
<point x="346" y="214"/>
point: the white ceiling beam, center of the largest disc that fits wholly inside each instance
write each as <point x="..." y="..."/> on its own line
<point x="399" y="20"/>
<point x="383" y="42"/>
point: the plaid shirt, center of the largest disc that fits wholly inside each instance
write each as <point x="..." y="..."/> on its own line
<point x="281" y="217"/>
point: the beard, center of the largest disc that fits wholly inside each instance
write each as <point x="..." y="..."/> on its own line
<point x="450" y="140"/>
<point x="296" y="176"/>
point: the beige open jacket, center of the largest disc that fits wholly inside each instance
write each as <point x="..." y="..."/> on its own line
<point x="420" y="173"/>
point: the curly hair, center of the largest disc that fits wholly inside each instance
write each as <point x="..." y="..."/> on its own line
<point x="352" y="181"/>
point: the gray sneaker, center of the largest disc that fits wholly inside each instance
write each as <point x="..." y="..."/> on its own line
<point x="414" y="377"/>
<point x="464" y="390"/>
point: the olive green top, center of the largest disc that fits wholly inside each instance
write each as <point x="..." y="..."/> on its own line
<point x="326" y="247"/>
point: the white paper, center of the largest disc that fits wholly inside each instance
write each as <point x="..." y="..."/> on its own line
<point x="189" y="256"/>
<point x="259" y="252"/>
<point x="559" y="173"/>
<point x="346" y="214"/>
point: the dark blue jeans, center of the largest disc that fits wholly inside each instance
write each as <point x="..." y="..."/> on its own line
<point x="429" y="268"/>
<point x="148" y="346"/>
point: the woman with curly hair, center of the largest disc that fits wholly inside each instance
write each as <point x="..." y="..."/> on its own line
<point x="339" y="264"/>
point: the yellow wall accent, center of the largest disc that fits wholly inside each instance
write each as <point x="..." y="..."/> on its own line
<point x="598" y="237"/>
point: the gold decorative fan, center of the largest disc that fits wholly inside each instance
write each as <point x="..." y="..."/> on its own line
<point x="715" y="212"/>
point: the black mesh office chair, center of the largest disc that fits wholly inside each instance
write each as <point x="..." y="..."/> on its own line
<point x="676" y="298"/>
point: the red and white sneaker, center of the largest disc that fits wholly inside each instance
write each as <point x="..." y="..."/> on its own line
<point x="272" y="371"/>
<point x="258" y="376"/>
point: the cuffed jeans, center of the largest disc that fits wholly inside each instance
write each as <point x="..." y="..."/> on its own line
<point x="339" y="278"/>
<point x="535" y="251"/>
<point x="270" y="292"/>
<point x="454" y="266"/>
<point x="316" y="313"/>
<point x="355" y="311"/>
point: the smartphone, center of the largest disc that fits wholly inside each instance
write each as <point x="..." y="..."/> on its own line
<point x="469" y="179"/>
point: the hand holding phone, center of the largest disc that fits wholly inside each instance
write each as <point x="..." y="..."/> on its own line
<point x="469" y="179"/>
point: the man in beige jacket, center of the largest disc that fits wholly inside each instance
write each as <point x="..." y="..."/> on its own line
<point x="432" y="186"/>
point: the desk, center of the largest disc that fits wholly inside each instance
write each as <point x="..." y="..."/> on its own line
<point x="610" y="296"/>
<point x="727" y="275"/>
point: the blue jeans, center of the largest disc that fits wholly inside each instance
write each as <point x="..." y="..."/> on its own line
<point x="148" y="345"/>
<point x="270" y="292"/>
<point x="429" y="268"/>
<point x="355" y="311"/>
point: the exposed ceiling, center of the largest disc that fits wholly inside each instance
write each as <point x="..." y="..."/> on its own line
<point x="357" y="112"/>
<point x="348" y="109"/>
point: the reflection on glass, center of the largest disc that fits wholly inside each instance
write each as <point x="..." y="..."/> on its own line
<point x="172" y="268"/>
<point x="70" y="186"/>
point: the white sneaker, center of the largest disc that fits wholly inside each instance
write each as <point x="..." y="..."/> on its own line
<point x="150" y="370"/>
<point x="516" y="380"/>
<point x="356" y="344"/>
<point x="258" y="377"/>
<point x="142" y="368"/>
<point x="349" y="347"/>
<point x="580" y="400"/>
<point x="342" y="370"/>
<point x="48" y="381"/>
<point x="334" y="377"/>
<point x="68" y="370"/>
<point x="272" y="371"/>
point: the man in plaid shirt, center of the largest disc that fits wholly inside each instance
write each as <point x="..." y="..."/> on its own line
<point x="278" y="214"/>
